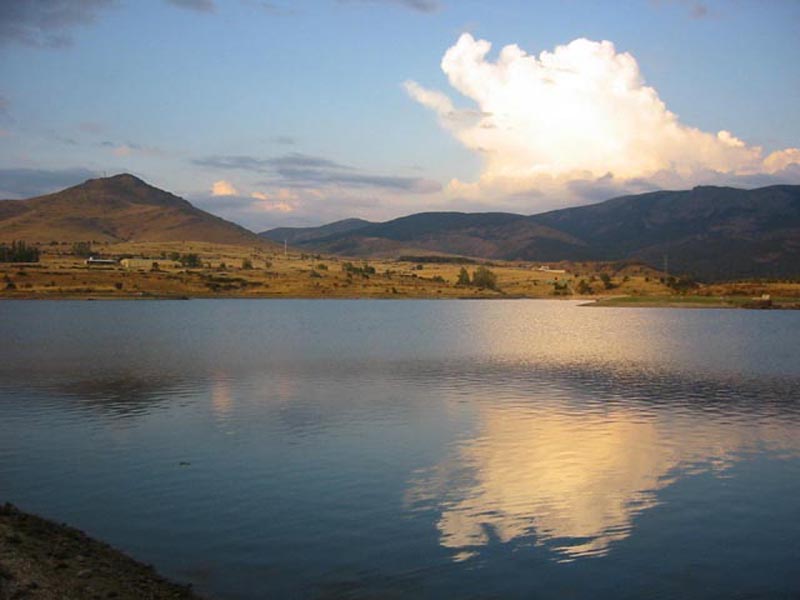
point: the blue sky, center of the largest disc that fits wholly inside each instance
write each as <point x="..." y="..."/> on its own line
<point x="273" y="113"/>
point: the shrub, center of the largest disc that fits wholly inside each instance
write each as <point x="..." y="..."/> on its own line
<point x="584" y="288"/>
<point x="606" y="279"/>
<point x="83" y="249"/>
<point x="484" y="278"/>
<point x="365" y="270"/>
<point x="190" y="261"/>
<point x="682" y="284"/>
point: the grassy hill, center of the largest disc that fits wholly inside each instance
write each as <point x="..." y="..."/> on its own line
<point x="115" y="209"/>
<point x="299" y="235"/>
<point x="711" y="233"/>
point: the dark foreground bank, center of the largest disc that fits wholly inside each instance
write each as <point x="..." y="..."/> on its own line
<point x="41" y="559"/>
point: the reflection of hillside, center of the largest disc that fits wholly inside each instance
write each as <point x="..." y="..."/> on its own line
<point x="573" y="477"/>
<point x="127" y="393"/>
<point x="654" y="386"/>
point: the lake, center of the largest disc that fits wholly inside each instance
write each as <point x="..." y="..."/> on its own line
<point x="425" y="449"/>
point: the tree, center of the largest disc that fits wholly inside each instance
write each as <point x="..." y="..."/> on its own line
<point x="584" y="288"/>
<point x="483" y="277"/>
<point x="463" y="277"/>
<point x="191" y="261"/>
<point x="83" y="249"/>
<point x="18" y="252"/>
<point x="682" y="284"/>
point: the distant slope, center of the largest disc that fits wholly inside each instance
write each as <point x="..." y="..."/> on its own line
<point x="298" y="235"/>
<point x="708" y="232"/>
<point x="115" y="209"/>
<point x="487" y="235"/>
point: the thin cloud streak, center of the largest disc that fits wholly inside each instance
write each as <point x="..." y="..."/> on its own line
<point x="46" y="23"/>
<point x="206" y="6"/>
<point x="422" y="6"/>
<point x="298" y="170"/>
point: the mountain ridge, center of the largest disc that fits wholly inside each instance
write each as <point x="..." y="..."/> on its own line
<point x="116" y="209"/>
<point x="709" y="232"/>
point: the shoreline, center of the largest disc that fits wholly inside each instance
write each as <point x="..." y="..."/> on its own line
<point x="225" y="271"/>
<point x="655" y="301"/>
<point x="42" y="559"/>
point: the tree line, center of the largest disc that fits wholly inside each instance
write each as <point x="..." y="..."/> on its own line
<point x="481" y="277"/>
<point x="18" y="251"/>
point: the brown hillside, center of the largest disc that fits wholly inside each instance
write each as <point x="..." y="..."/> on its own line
<point x="116" y="209"/>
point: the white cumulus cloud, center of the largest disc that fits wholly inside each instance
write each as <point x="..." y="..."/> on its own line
<point x="578" y="114"/>
<point x="223" y="188"/>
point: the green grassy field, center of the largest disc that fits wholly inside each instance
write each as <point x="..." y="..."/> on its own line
<point x="694" y="301"/>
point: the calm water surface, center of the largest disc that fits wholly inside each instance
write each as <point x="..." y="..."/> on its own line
<point x="427" y="449"/>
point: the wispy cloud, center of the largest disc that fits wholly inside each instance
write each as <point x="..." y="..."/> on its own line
<point x="696" y="9"/>
<point x="423" y="6"/>
<point x="265" y="165"/>
<point x="283" y="201"/>
<point x="206" y="6"/>
<point x="46" y="23"/>
<point x="260" y="210"/>
<point x="284" y="140"/>
<point x="699" y="10"/>
<point x="25" y="183"/>
<point x="92" y="127"/>
<point x="130" y="148"/>
<point x="276" y="9"/>
<point x="297" y="177"/>
<point x="305" y="171"/>
<point x="240" y="162"/>
<point x="296" y="160"/>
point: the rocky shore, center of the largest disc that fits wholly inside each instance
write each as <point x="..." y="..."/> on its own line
<point x="40" y="559"/>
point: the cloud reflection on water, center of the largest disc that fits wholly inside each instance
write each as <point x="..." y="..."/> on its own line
<point x="572" y="479"/>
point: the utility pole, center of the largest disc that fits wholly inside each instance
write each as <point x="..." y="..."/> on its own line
<point x="285" y="249"/>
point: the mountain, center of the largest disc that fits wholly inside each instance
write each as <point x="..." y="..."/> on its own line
<point x="115" y="209"/>
<point x="708" y="232"/>
<point x="298" y="235"/>
<point x="485" y="235"/>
